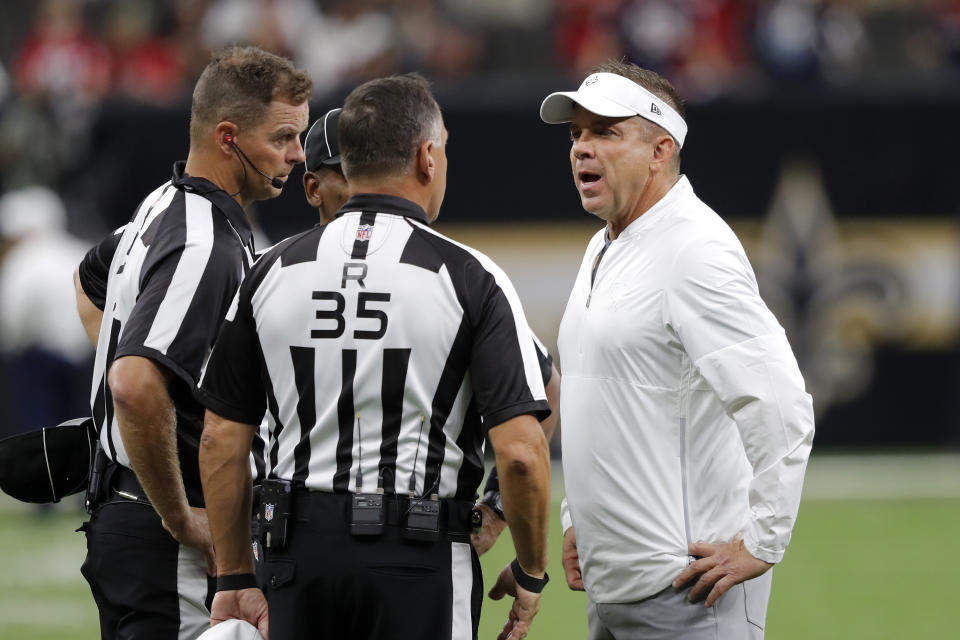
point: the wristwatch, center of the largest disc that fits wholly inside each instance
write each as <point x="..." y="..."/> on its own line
<point x="492" y="499"/>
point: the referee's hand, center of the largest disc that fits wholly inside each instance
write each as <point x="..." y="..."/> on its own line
<point x="525" y="605"/>
<point x="242" y="604"/>
<point x="194" y="531"/>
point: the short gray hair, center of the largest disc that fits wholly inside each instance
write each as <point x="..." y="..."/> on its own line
<point x="384" y="122"/>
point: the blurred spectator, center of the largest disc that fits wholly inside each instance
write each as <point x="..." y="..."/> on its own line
<point x="4" y="84"/>
<point x="657" y="32"/>
<point x="144" y="66"/>
<point x="844" y="43"/>
<point x="31" y="149"/>
<point x="346" y="42"/>
<point x="61" y="72"/>
<point x="908" y="42"/>
<point x="46" y="352"/>
<point x="699" y="44"/>
<point x="947" y="13"/>
<point x="508" y="32"/>
<point x="349" y="42"/>
<point x="274" y="25"/>
<point x="60" y="58"/>
<point x="587" y="33"/>
<point x="787" y="38"/>
<point x="187" y="17"/>
<point x="431" y="43"/>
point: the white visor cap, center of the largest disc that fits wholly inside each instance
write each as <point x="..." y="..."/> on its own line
<point x="613" y="96"/>
<point x="231" y="630"/>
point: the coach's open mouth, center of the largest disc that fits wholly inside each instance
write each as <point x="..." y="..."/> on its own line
<point x="588" y="179"/>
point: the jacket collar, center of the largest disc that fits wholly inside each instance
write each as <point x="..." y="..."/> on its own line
<point x="217" y="196"/>
<point x="680" y="190"/>
<point x="384" y="204"/>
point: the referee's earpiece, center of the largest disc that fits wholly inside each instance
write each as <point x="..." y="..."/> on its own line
<point x="228" y="138"/>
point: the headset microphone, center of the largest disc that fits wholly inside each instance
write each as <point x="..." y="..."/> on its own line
<point x="276" y="183"/>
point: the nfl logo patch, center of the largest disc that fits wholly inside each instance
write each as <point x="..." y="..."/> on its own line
<point x="268" y="512"/>
<point x="364" y="232"/>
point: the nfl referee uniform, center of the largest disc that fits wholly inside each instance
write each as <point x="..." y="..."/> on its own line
<point x="326" y="189"/>
<point x="172" y="273"/>
<point x="384" y="352"/>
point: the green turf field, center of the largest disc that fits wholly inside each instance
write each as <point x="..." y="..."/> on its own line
<point x="858" y="568"/>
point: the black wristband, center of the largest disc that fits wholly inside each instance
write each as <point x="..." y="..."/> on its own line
<point x="525" y="580"/>
<point x="236" y="581"/>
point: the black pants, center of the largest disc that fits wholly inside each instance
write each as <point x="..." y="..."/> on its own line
<point x="329" y="584"/>
<point x="146" y="585"/>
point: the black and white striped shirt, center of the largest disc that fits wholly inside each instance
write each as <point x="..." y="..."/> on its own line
<point x="172" y="275"/>
<point x="375" y="344"/>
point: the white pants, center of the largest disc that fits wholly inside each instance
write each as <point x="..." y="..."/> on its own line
<point x="739" y="614"/>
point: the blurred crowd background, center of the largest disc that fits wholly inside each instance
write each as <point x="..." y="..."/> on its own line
<point x="824" y="131"/>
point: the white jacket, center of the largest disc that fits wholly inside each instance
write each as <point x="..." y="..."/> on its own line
<point x="684" y="413"/>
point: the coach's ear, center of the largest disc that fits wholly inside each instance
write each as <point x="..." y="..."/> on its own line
<point x="426" y="166"/>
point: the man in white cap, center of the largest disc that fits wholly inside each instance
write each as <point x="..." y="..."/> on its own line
<point x="686" y="426"/>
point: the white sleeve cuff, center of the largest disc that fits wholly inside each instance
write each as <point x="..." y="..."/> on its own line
<point x="566" y="521"/>
<point x="757" y="550"/>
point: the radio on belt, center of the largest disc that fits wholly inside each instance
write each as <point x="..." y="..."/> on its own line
<point x="368" y="514"/>
<point x="368" y="511"/>
<point x="423" y="519"/>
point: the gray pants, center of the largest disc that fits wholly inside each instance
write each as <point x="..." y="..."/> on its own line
<point x="739" y="614"/>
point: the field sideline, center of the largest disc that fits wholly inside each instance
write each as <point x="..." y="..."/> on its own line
<point x="871" y="558"/>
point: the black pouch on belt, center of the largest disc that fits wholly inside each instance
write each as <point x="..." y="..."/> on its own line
<point x="275" y="512"/>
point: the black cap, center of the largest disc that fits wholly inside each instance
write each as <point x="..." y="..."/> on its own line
<point x="48" y="464"/>
<point x="321" y="146"/>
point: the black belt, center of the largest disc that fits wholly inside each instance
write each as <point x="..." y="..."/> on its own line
<point x="307" y="505"/>
<point x="123" y="482"/>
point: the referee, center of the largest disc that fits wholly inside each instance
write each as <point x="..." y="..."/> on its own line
<point x="327" y="190"/>
<point x="172" y="273"/>
<point x="324" y="184"/>
<point x="384" y="352"/>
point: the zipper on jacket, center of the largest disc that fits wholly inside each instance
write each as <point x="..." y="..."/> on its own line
<point x="685" y="380"/>
<point x="596" y="264"/>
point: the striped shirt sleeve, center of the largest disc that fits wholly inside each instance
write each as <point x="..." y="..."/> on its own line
<point x="501" y="344"/>
<point x="187" y="282"/>
<point x="95" y="268"/>
<point x="232" y="385"/>
<point x="546" y="371"/>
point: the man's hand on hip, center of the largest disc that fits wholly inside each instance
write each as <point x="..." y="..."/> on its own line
<point x="526" y="604"/>
<point x="242" y="604"/>
<point x="493" y="526"/>
<point x="571" y="561"/>
<point x="720" y="567"/>
<point x="194" y="531"/>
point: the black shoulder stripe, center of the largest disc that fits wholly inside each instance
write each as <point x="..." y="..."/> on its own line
<point x="152" y="229"/>
<point x="293" y="250"/>
<point x="300" y="248"/>
<point x="419" y="253"/>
